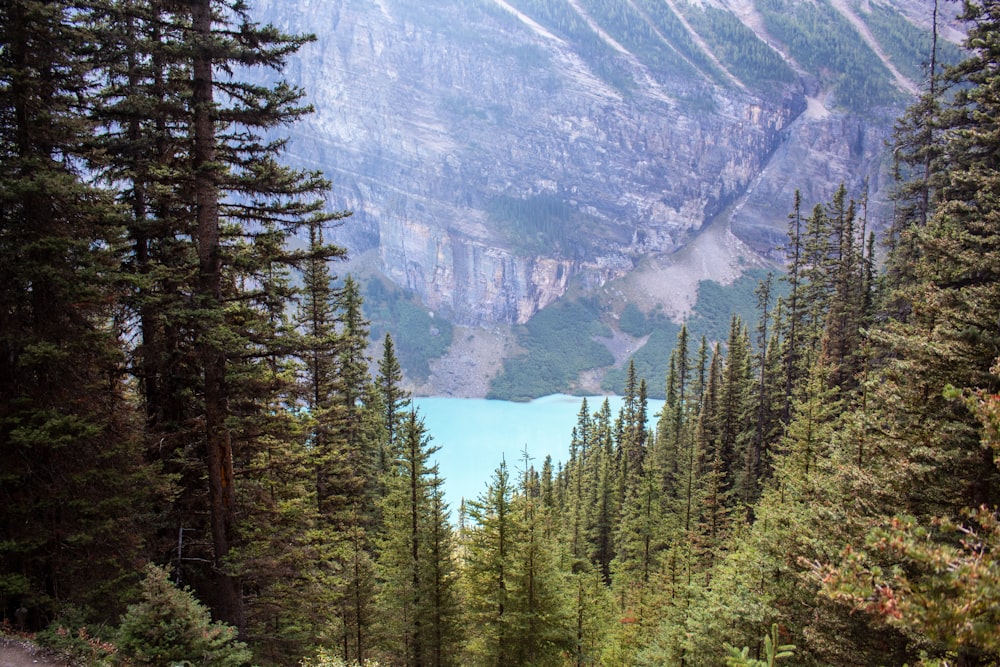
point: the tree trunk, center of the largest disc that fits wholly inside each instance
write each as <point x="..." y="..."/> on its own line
<point x="219" y="453"/>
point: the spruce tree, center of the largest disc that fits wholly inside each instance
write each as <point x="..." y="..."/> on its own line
<point x="604" y="503"/>
<point x="73" y="485"/>
<point x="417" y="598"/>
<point x="169" y="626"/>
<point x="518" y="610"/>
<point x="792" y="322"/>
<point x="395" y="400"/>
<point x="488" y="546"/>
<point x="734" y="409"/>
<point x="211" y="209"/>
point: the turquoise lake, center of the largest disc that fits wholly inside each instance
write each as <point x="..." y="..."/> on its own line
<point x="474" y="435"/>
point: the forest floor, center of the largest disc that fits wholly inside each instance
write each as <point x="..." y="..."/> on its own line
<point x="19" y="653"/>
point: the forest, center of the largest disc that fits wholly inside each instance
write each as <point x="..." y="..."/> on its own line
<point x="198" y="467"/>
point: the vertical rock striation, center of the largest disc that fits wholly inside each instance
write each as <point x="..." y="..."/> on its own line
<point x="434" y="115"/>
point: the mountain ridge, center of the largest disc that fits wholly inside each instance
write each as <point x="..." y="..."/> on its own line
<point x="501" y="154"/>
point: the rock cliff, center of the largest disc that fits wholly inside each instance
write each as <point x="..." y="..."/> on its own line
<point x="498" y="152"/>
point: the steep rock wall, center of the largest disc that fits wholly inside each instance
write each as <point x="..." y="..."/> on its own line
<point x="428" y="112"/>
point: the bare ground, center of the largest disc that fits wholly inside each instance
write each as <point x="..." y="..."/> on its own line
<point x="472" y="361"/>
<point x="671" y="281"/>
<point x="19" y="653"/>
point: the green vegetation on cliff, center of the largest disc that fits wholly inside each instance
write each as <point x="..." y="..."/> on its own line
<point x="558" y="342"/>
<point x="565" y="339"/>
<point x="738" y="47"/>
<point x="822" y="40"/>
<point x="419" y="336"/>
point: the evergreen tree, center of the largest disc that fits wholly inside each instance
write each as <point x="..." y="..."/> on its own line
<point x="945" y="335"/>
<point x="711" y="473"/>
<point x="577" y="469"/>
<point x="417" y="598"/>
<point x="735" y="397"/>
<point x="604" y="503"/>
<point x="169" y="626"/>
<point x="756" y="460"/>
<point x="73" y="485"/>
<point x="488" y="548"/>
<point x="793" y="319"/>
<point x="843" y="321"/>
<point x="395" y="400"/>
<point x="518" y="612"/>
<point x="211" y="209"/>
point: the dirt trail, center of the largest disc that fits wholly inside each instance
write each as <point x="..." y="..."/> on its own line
<point x="22" y="654"/>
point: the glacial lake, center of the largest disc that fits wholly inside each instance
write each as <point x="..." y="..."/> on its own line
<point x="474" y="435"/>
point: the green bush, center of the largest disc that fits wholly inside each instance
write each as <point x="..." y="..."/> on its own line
<point x="70" y="638"/>
<point x="634" y="322"/>
<point x="324" y="659"/>
<point x="170" y="627"/>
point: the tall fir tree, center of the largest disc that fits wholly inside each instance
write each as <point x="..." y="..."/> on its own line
<point x="211" y="210"/>
<point x="417" y="598"/>
<point x="73" y="485"/>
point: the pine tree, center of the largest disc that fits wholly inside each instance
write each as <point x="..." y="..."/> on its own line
<point x="918" y="154"/>
<point x="604" y="502"/>
<point x="395" y="400"/>
<point x="929" y="445"/>
<point x="74" y="488"/>
<point x="488" y="548"/>
<point x="518" y="611"/>
<point x="756" y="461"/>
<point x="734" y="409"/>
<point x="417" y="598"/>
<point x="793" y="320"/>
<point x="949" y="334"/>
<point x="169" y="626"/>
<point x="442" y="628"/>
<point x="211" y="209"/>
<point x="843" y="321"/>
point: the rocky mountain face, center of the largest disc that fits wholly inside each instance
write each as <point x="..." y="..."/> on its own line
<point x="497" y="153"/>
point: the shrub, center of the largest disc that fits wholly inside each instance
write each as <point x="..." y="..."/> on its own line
<point x="324" y="659"/>
<point x="170" y="627"/>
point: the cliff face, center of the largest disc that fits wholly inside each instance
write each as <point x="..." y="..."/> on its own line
<point x="497" y="151"/>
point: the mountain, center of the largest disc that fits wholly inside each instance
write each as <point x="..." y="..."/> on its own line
<point x="500" y="155"/>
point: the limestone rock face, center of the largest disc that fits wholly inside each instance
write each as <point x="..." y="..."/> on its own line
<point x="492" y="158"/>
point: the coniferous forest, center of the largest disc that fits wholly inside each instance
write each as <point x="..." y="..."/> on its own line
<point x="198" y="467"/>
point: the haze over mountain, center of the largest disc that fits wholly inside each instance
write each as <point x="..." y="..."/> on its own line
<point x="498" y="154"/>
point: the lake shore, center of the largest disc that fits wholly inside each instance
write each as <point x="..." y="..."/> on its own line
<point x="475" y="434"/>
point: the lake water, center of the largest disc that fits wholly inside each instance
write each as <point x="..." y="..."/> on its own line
<point x="474" y="435"/>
